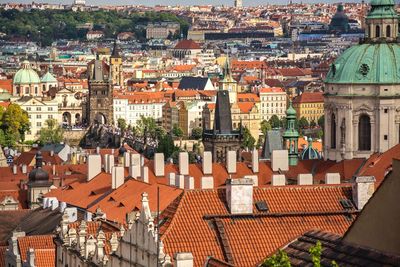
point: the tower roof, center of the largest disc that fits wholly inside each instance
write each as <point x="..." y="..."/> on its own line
<point x="116" y="53"/>
<point x="223" y="117"/>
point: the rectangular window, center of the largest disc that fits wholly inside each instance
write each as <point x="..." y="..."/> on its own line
<point x="385" y="137"/>
<point x="385" y="110"/>
<point x="39" y="124"/>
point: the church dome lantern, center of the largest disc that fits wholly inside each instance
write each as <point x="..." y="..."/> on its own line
<point x="26" y="75"/>
<point x="38" y="175"/>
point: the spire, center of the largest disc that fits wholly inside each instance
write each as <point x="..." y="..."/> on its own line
<point x="39" y="160"/>
<point x="223" y="118"/>
<point x="115" y="52"/>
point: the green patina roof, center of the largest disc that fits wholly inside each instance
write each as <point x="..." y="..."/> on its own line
<point x="367" y="64"/>
<point x="26" y="75"/>
<point x="48" y="78"/>
<point x="290" y="112"/>
<point x="382" y="9"/>
<point x="382" y="3"/>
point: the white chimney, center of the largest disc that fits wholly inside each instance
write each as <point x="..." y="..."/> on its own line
<point x="135" y="159"/>
<point x="110" y="162"/>
<point x="231" y="162"/>
<point x="254" y="178"/>
<point x="159" y="164"/>
<point x="145" y="174"/>
<point x="184" y="259"/>
<point x="189" y="182"/>
<point x="52" y="153"/>
<point x="117" y="176"/>
<point x="332" y="178"/>
<point x="53" y="169"/>
<point x="171" y="179"/>
<point x="239" y="195"/>
<point x="97" y="150"/>
<point x="278" y="180"/>
<point x="180" y="181"/>
<point x="363" y="188"/>
<point x="15" y="169"/>
<point x="94" y="166"/>
<point x="207" y="182"/>
<point x="254" y="161"/>
<point x="24" y="168"/>
<point x="134" y="171"/>
<point x="183" y="163"/>
<point x="54" y="203"/>
<point x="127" y="159"/>
<point x="280" y="160"/>
<point x="207" y="163"/>
<point x="31" y="257"/>
<point x="63" y="206"/>
<point x="105" y="162"/>
<point x="304" y="179"/>
<point x="72" y="214"/>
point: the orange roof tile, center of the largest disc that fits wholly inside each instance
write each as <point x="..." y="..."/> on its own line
<point x="45" y="257"/>
<point x="187" y="44"/>
<point x="247" y="97"/>
<point x="272" y="90"/>
<point x="197" y="221"/>
<point x="308" y="97"/>
<point x="7" y="85"/>
<point x="35" y="242"/>
<point x="3" y="250"/>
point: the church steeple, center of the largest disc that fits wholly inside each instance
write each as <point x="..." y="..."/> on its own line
<point x="382" y="21"/>
<point x="291" y="135"/>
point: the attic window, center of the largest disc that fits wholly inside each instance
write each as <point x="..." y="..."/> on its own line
<point x="262" y="206"/>
<point x="346" y="204"/>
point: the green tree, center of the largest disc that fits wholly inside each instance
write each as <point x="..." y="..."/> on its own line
<point x="15" y="123"/>
<point x="280" y="259"/>
<point x="321" y="121"/>
<point x="52" y="133"/>
<point x="274" y="122"/>
<point x="177" y="131"/>
<point x="265" y="127"/>
<point x="197" y="133"/>
<point x="166" y="146"/>
<point x="303" y="123"/>
<point x="320" y="134"/>
<point x="248" y="140"/>
<point x="315" y="252"/>
<point x="121" y="124"/>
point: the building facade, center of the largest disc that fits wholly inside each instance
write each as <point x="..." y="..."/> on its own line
<point x="309" y="105"/>
<point x="273" y="102"/>
<point x="362" y="114"/>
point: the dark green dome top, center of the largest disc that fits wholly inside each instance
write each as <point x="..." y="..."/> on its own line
<point x="310" y="152"/>
<point x="339" y="21"/>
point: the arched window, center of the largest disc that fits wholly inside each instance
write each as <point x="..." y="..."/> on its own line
<point x="377" y="31"/>
<point x="364" y="133"/>
<point x="388" y="31"/>
<point x="333" y="131"/>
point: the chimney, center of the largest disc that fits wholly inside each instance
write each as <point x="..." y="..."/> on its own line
<point x="239" y="195"/>
<point x="31" y="257"/>
<point x="184" y="259"/>
<point x="363" y="188"/>
<point x="183" y="163"/>
<point x="94" y="166"/>
<point x="54" y="203"/>
<point x="171" y="179"/>
<point x="63" y="206"/>
<point x="53" y="169"/>
<point x="110" y="162"/>
<point x="189" y="182"/>
<point x="231" y="162"/>
<point x="278" y="180"/>
<point x="14" y="169"/>
<point x="254" y="178"/>
<point x="254" y="161"/>
<point x="332" y="178"/>
<point x="304" y="179"/>
<point x="145" y="174"/>
<point x="280" y="160"/>
<point x="207" y="182"/>
<point x="207" y="163"/>
<point x="134" y="171"/>
<point x="180" y="181"/>
<point x="159" y="164"/>
<point x="24" y="168"/>
<point x="98" y="150"/>
<point x="127" y="159"/>
<point x="135" y="159"/>
<point x="117" y="176"/>
<point x="52" y="153"/>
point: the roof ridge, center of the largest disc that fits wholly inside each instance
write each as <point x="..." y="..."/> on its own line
<point x="176" y="211"/>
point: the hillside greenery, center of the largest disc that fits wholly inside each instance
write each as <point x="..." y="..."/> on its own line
<point x="46" y="26"/>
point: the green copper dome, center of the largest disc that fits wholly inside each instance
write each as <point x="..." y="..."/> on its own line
<point x="48" y="78"/>
<point x="290" y="112"/>
<point x="382" y="9"/>
<point x="367" y="64"/>
<point x="26" y="75"/>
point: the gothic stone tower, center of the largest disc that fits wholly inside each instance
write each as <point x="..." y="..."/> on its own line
<point x="362" y="104"/>
<point x="100" y="102"/>
<point x="116" y="66"/>
<point x="222" y="138"/>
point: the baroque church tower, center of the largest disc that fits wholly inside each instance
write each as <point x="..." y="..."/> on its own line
<point x="362" y="103"/>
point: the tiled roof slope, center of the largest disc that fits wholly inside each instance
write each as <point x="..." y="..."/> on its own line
<point x="334" y="248"/>
<point x="308" y="97"/>
<point x="45" y="257"/>
<point x="9" y="220"/>
<point x="379" y="164"/>
<point x="35" y="242"/>
<point x="199" y="222"/>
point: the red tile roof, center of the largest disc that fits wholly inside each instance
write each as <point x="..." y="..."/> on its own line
<point x="45" y="257"/>
<point x="3" y="255"/>
<point x="7" y="85"/>
<point x="35" y="242"/>
<point x="272" y="90"/>
<point x="198" y="221"/>
<point x="187" y="44"/>
<point x="308" y="97"/>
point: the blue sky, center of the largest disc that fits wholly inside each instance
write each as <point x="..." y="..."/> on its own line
<point x="169" y="2"/>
